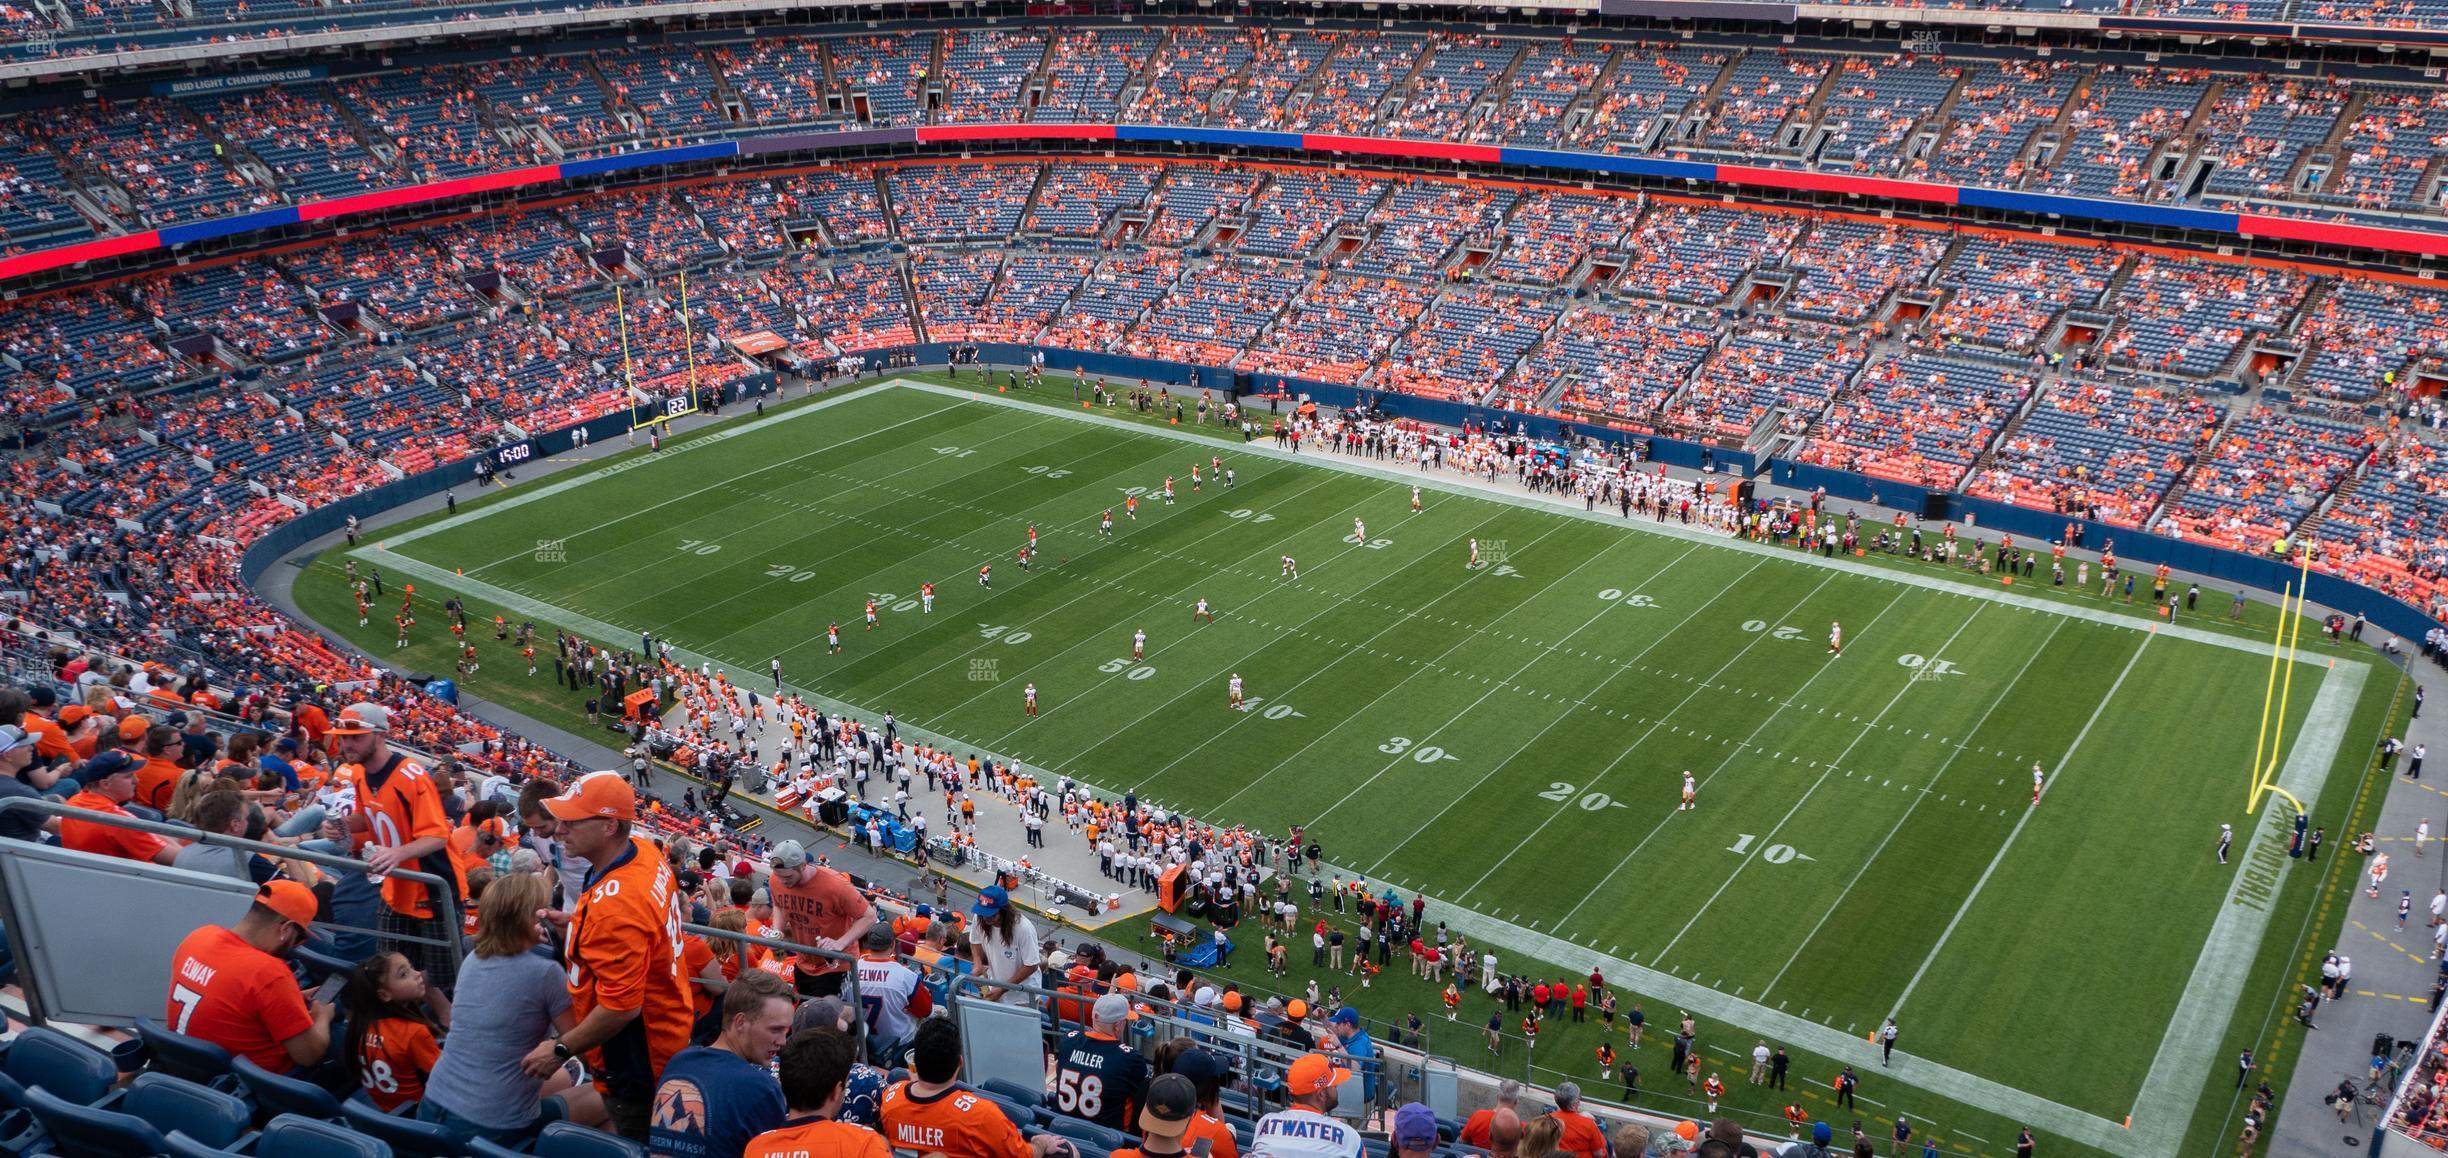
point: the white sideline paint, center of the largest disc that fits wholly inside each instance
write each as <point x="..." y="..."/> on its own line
<point x="2190" y="1047"/>
<point x="2178" y="1071"/>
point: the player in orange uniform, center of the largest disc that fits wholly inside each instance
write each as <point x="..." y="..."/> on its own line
<point x="626" y="988"/>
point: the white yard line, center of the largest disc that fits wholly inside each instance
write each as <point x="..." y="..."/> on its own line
<point x="715" y="439"/>
<point x="1807" y="793"/>
<point x="1898" y="826"/>
<point x="1446" y="482"/>
<point x="2000" y="858"/>
<point x="2173" y="1087"/>
<point x="1738" y="749"/>
<point x="790" y="510"/>
<point x="1669" y="714"/>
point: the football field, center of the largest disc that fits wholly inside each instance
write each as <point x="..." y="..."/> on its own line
<point x="1511" y="740"/>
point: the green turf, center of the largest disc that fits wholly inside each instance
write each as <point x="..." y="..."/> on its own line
<point x="1510" y="738"/>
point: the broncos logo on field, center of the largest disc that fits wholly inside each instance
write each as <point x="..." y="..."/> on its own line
<point x="680" y="1107"/>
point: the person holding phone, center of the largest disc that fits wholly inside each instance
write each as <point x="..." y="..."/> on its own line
<point x="231" y="985"/>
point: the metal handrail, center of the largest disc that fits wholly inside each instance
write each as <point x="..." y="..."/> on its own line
<point x="454" y="927"/>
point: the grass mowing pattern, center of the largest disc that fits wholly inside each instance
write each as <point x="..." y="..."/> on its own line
<point x="1511" y="741"/>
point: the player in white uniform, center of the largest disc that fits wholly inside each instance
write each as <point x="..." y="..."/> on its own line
<point x="1691" y="792"/>
<point x="1474" y="549"/>
<point x="1200" y="612"/>
<point x="1835" y="638"/>
<point x="1359" y="531"/>
<point x="1415" y="506"/>
<point x="2038" y="778"/>
<point x="1028" y="698"/>
<point x="1139" y="644"/>
<point x="1291" y="568"/>
<point x="1233" y="689"/>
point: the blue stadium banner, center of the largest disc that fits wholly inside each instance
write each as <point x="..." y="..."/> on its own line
<point x="197" y="85"/>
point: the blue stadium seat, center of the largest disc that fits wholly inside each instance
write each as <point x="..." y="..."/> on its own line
<point x="84" y="1132"/>
<point x="320" y="965"/>
<point x="1020" y="1115"/>
<point x="407" y="1137"/>
<point x="1079" y="1130"/>
<point x="275" y="1094"/>
<point x="18" y="1132"/>
<point x="70" y="1069"/>
<point x="207" y="1115"/>
<point x="182" y="1146"/>
<point x="571" y="1140"/>
<point x="181" y="1056"/>
<point x="1006" y="1088"/>
<point x="291" y="1136"/>
<point x="481" y="1148"/>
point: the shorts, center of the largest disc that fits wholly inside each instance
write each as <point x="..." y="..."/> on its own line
<point x="818" y="984"/>
<point x="440" y="962"/>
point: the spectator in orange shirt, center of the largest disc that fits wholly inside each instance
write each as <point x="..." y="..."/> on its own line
<point x="1581" y="1135"/>
<point x="32" y="711"/>
<point x="405" y="829"/>
<point x="626" y="987"/>
<point x="816" y="1066"/>
<point x="159" y="747"/>
<point x="231" y="986"/>
<point x="394" y="1030"/>
<point x="933" y="1113"/>
<point x="110" y="781"/>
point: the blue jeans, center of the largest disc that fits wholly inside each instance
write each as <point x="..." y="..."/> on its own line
<point x="552" y="1110"/>
<point x="307" y="820"/>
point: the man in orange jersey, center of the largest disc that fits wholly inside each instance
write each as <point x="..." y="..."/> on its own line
<point x="815" y="1078"/>
<point x="108" y="781"/>
<point x="933" y="1113"/>
<point x="818" y="906"/>
<point x="231" y="986"/>
<point x="625" y="983"/>
<point x="405" y="829"/>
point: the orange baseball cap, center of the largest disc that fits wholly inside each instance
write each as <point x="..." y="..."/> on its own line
<point x="134" y="727"/>
<point x="1296" y="1009"/>
<point x="73" y="714"/>
<point x="1232" y="1002"/>
<point x="1314" y="1072"/>
<point x="595" y="796"/>
<point x="361" y="718"/>
<point x="293" y="901"/>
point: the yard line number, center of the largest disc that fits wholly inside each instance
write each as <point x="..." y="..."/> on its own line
<point x="1563" y="793"/>
<point x="1627" y="598"/>
<point x="698" y="547"/>
<point x="1780" y="631"/>
<point x="1424" y="754"/>
<point x="1002" y="632"/>
<point x="1773" y="854"/>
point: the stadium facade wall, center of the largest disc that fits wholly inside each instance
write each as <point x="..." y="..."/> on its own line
<point x="2041" y="205"/>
